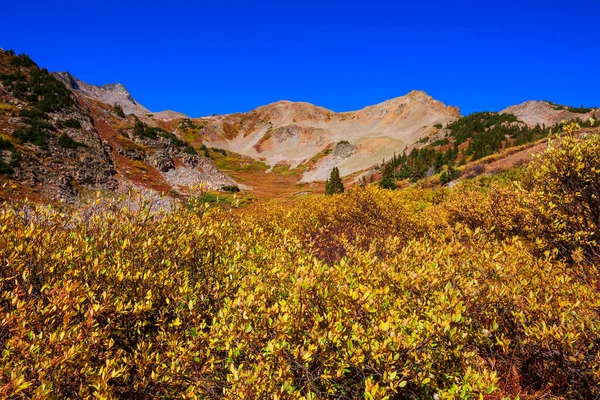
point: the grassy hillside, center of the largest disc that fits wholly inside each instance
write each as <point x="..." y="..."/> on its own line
<point x="485" y="291"/>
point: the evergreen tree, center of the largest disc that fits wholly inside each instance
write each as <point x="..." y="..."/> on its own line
<point x="334" y="183"/>
<point x="387" y="179"/>
<point x="139" y="128"/>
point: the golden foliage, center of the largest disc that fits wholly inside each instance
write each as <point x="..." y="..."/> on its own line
<point x="378" y="294"/>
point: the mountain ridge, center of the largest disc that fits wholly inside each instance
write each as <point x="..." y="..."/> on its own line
<point x="168" y="151"/>
<point x="110" y="93"/>
<point x="543" y="112"/>
<point x="294" y="133"/>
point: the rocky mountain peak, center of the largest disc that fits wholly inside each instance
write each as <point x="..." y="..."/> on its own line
<point x="112" y="93"/>
<point x="414" y="101"/>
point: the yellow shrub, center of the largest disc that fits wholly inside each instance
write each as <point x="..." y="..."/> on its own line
<point x="566" y="191"/>
<point x="373" y="293"/>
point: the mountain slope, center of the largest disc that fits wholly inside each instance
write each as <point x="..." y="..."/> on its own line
<point x="546" y="113"/>
<point x="295" y="134"/>
<point x="59" y="144"/>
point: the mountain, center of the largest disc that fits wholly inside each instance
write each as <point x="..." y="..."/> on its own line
<point x="297" y="134"/>
<point x="113" y="93"/>
<point x="61" y="139"/>
<point x="547" y="113"/>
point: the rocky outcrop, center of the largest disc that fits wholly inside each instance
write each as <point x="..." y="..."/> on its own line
<point x="162" y="161"/>
<point x="343" y="149"/>
<point x="284" y="133"/>
<point x="113" y="93"/>
<point x="197" y="170"/>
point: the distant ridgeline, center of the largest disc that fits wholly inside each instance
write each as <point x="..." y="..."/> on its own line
<point x="468" y="139"/>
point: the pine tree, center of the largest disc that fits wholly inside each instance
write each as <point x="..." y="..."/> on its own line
<point x="387" y="179"/>
<point x="334" y="183"/>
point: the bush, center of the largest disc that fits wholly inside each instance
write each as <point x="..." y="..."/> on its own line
<point x="5" y="169"/>
<point x="52" y="95"/>
<point x="22" y="60"/>
<point x="175" y="141"/>
<point x="34" y="134"/>
<point x="119" y="110"/>
<point x="566" y="187"/>
<point x="190" y="150"/>
<point x="143" y="130"/>
<point x="220" y="151"/>
<point x="187" y="123"/>
<point x="5" y="144"/>
<point x="414" y="293"/>
<point x="33" y="114"/>
<point x="71" y="123"/>
<point x="68" y="142"/>
<point x="230" y="188"/>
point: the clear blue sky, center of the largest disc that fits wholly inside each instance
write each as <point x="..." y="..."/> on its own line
<point x="226" y="56"/>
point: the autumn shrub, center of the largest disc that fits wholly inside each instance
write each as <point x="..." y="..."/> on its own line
<point x="361" y="216"/>
<point x="499" y="209"/>
<point x="565" y="184"/>
<point x="375" y="294"/>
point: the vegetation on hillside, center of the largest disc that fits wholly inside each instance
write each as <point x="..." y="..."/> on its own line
<point x="484" y="291"/>
<point x="119" y="110"/>
<point x="577" y="110"/>
<point x="189" y="126"/>
<point x="468" y="138"/>
<point x="141" y="129"/>
<point x="68" y="142"/>
<point x="43" y="94"/>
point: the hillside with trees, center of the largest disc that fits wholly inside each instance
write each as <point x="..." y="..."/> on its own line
<point x="465" y="140"/>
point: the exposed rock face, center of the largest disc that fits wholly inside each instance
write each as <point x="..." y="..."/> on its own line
<point x="161" y="161"/>
<point x="286" y="132"/>
<point x="198" y="170"/>
<point x="544" y="113"/>
<point x="113" y="93"/>
<point x="343" y="150"/>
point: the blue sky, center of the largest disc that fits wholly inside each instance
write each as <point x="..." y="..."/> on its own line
<point x="226" y="56"/>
